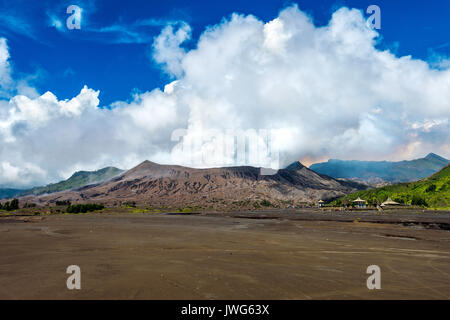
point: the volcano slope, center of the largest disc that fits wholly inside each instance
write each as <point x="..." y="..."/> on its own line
<point x="156" y="185"/>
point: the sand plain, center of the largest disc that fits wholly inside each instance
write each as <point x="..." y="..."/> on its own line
<point x="278" y="254"/>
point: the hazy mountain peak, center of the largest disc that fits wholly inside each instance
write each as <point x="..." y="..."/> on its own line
<point x="434" y="156"/>
<point x="295" y="166"/>
<point x="77" y="180"/>
<point x="382" y="172"/>
<point x="147" y="168"/>
<point x="83" y="173"/>
<point x="95" y="173"/>
<point x="145" y="165"/>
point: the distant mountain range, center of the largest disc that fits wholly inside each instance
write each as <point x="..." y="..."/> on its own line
<point x="433" y="191"/>
<point x="382" y="172"/>
<point x="152" y="184"/>
<point x="77" y="180"/>
<point x="9" y="193"/>
<point x="166" y="185"/>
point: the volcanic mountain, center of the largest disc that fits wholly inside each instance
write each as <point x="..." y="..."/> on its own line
<point x="158" y="185"/>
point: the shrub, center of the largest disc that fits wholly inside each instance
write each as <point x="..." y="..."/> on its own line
<point x="83" y="208"/>
<point x="11" y="206"/>
<point x="431" y="188"/>
<point x="418" y="201"/>
<point x="14" y="204"/>
<point x="185" y="210"/>
<point x="63" y="203"/>
<point x="266" y="203"/>
<point x="445" y="186"/>
<point x="130" y="204"/>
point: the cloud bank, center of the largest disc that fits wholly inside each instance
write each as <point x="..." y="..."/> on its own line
<point x="5" y="68"/>
<point x="325" y="91"/>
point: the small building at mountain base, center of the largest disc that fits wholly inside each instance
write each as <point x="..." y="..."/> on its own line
<point x="360" y="203"/>
<point x="390" y="203"/>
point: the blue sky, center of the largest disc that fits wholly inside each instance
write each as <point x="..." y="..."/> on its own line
<point x="64" y="61"/>
<point x="141" y="79"/>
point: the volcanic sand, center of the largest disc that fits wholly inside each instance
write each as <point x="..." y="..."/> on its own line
<point x="272" y="255"/>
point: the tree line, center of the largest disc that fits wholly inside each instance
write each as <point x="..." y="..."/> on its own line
<point x="10" y="205"/>
<point x="83" y="208"/>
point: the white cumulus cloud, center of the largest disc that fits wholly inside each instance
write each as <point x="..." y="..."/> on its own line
<point x="324" y="91"/>
<point x="327" y="91"/>
<point x="167" y="50"/>
<point x="5" y="69"/>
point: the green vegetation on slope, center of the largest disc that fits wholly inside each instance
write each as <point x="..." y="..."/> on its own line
<point x="77" y="180"/>
<point x="433" y="192"/>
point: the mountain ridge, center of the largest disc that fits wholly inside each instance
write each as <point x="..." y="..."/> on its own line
<point x="9" y="192"/>
<point x="76" y="180"/>
<point x="382" y="172"/>
<point x="155" y="184"/>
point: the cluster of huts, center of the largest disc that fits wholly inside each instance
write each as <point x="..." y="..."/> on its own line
<point x="361" y="203"/>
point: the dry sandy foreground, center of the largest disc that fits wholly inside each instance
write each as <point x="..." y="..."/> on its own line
<point x="302" y="255"/>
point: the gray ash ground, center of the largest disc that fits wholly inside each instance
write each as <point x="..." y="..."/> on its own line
<point x="274" y="254"/>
